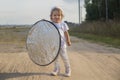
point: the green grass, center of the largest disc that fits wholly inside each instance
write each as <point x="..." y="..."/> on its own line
<point x="114" y="42"/>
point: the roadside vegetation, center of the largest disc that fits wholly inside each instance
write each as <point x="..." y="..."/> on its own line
<point x="13" y="35"/>
<point x="98" y="31"/>
<point x="95" y="31"/>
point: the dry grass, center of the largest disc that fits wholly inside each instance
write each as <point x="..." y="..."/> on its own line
<point x="110" y="28"/>
<point x="13" y="39"/>
<point x="13" y="35"/>
<point x="105" y="32"/>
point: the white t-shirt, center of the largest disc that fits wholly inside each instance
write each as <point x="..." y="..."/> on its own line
<point x="62" y="27"/>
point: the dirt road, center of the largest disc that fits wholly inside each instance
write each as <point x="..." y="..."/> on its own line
<point x="89" y="61"/>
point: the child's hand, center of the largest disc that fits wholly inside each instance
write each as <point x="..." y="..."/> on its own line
<point x="68" y="43"/>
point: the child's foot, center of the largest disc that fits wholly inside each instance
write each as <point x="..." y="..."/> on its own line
<point x="68" y="73"/>
<point x="55" y="72"/>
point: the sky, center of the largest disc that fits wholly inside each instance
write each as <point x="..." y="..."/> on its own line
<point x="31" y="11"/>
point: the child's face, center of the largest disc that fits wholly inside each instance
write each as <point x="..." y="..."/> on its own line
<point x="56" y="16"/>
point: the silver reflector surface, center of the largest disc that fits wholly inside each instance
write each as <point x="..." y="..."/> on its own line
<point x="43" y="42"/>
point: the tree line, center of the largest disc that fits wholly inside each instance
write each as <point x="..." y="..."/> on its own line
<point x="102" y="9"/>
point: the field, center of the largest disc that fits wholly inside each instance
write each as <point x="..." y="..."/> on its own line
<point x="98" y="31"/>
<point x="11" y="38"/>
<point x="89" y="61"/>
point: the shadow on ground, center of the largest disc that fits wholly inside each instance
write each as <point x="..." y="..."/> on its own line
<point x="4" y="76"/>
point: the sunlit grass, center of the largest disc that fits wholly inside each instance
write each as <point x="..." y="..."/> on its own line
<point x="98" y="39"/>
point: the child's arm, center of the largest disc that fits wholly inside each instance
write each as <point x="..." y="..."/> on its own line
<point x="67" y="38"/>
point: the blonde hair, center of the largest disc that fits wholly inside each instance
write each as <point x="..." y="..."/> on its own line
<point x="57" y="9"/>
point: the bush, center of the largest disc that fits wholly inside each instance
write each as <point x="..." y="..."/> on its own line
<point x="109" y="28"/>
